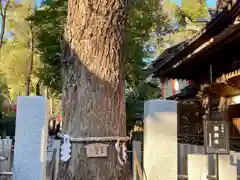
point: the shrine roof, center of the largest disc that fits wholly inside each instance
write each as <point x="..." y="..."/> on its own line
<point x="191" y="59"/>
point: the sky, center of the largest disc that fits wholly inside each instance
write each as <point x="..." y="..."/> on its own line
<point x="38" y="2"/>
<point x="209" y="2"/>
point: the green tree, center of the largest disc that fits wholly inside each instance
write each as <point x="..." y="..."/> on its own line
<point x="4" y="92"/>
<point x="93" y="85"/>
<point x="49" y="21"/>
<point x="4" y="7"/>
<point x="141" y="22"/>
<point x="49" y="25"/>
<point x="18" y="60"/>
<point x="187" y="16"/>
<point x="135" y="100"/>
<point x="192" y="10"/>
<point x="167" y="36"/>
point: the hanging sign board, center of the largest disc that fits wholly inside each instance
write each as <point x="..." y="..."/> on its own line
<point x="96" y="150"/>
<point x="216" y="137"/>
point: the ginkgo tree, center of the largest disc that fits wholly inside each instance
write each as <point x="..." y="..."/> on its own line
<point x="93" y="77"/>
<point x="18" y="59"/>
<point x="50" y="20"/>
<point x="5" y="6"/>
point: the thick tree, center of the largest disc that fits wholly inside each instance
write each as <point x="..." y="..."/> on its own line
<point x="93" y="85"/>
<point x="140" y="22"/>
<point x="51" y="17"/>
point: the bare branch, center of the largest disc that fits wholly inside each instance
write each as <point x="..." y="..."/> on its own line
<point x="3" y="13"/>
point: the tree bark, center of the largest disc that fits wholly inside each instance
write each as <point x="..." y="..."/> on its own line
<point x="30" y="62"/>
<point x="93" y="86"/>
<point x="38" y="88"/>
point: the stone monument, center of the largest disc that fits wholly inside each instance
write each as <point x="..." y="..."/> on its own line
<point x="160" y="140"/>
<point x="226" y="169"/>
<point x="30" y="138"/>
<point x="197" y="167"/>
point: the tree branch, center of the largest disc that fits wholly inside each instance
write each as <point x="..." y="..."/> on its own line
<point x="3" y="14"/>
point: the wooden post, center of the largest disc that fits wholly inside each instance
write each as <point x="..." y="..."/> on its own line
<point x="1" y="150"/>
<point x="136" y="147"/>
<point x="134" y="170"/>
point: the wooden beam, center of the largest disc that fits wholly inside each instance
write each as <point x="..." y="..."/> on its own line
<point x="137" y="170"/>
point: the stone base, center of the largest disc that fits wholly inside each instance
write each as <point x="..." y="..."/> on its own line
<point x="160" y="140"/>
<point x="226" y="169"/>
<point x="197" y="167"/>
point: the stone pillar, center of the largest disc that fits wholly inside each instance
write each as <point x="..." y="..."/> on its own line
<point x="211" y="164"/>
<point x="197" y="167"/>
<point x="226" y="170"/>
<point x="160" y="140"/>
<point x="238" y="167"/>
<point x="56" y="145"/>
<point x="30" y="139"/>
<point x="182" y="159"/>
<point x="235" y="160"/>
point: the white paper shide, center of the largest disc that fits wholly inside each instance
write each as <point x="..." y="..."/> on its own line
<point x="66" y="149"/>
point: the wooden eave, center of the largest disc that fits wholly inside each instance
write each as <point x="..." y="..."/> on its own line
<point x="166" y="53"/>
<point x="214" y="44"/>
<point x="196" y="65"/>
<point x="191" y="46"/>
<point x="228" y="85"/>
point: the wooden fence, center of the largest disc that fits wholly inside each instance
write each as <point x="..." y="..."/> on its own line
<point x="135" y="159"/>
<point x="183" y="151"/>
<point x="53" y="158"/>
<point x="137" y="168"/>
<point x="6" y="159"/>
<point x="6" y="156"/>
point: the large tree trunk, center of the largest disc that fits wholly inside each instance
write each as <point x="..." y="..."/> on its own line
<point x="93" y="86"/>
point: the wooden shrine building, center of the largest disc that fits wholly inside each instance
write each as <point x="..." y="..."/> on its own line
<point x="211" y="59"/>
